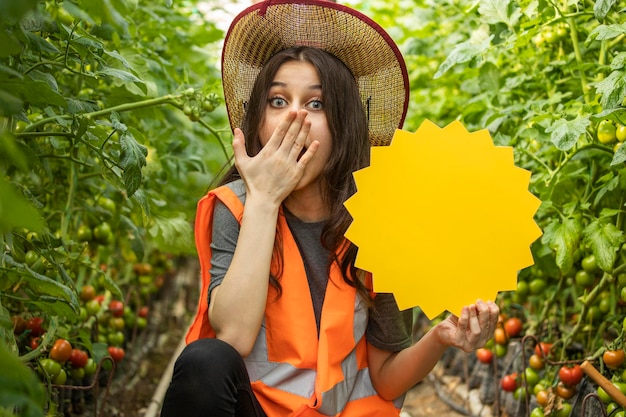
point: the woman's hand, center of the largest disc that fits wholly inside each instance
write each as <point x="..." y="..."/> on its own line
<point x="473" y="329"/>
<point x="276" y="170"/>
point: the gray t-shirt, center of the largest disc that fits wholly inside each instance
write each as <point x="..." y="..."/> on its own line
<point x="388" y="328"/>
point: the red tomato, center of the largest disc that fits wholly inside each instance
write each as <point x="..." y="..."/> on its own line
<point x="116" y="307"/>
<point x="484" y="355"/>
<point x="61" y="350"/>
<point x="34" y="342"/>
<point x="78" y="358"/>
<point x="513" y="327"/>
<point x="543" y="349"/>
<point x="117" y="353"/>
<point x="35" y="325"/>
<point x="570" y="375"/>
<point x="509" y="382"/>
<point x="143" y="312"/>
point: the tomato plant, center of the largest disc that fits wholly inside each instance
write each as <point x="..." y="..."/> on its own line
<point x="101" y="168"/>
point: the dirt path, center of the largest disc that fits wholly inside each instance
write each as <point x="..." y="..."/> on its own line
<point x="423" y="401"/>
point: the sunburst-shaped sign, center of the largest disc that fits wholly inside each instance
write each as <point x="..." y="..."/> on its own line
<point x="442" y="218"/>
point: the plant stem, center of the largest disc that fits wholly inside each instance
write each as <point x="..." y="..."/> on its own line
<point x="167" y="99"/>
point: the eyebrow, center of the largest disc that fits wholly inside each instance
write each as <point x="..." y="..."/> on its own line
<point x="284" y="85"/>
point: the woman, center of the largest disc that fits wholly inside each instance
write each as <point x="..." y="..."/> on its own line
<point x="286" y="325"/>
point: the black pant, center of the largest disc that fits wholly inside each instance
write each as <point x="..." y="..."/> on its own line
<point x="210" y="380"/>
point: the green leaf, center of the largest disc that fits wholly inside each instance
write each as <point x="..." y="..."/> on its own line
<point x="565" y="133"/>
<point x="10" y="46"/>
<point x="612" y="89"/>
<point x="618" y="61"/>
<point x="16" y="211"/>
<point x="604" y="239"/>
<point x="108" y="284"/>
<point x="20" y="386"/>
<point x="40" y="44"/>
<point x="604" y="32"/>
<point x="119" y="74"/>
<point x="602" y="7"/>
<point x="499" y="11"/>
<point x="15" y="10"/>
<point x="9" y="104"/>
<point x="173" y="234"/>
<point x="35" y="92"/>
<point x="563" y="238"/>
<point x="132" y="159"/>
<point x="461" y="53"/>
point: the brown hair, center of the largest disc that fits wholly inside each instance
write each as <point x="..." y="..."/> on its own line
<point x="347" y="123"/>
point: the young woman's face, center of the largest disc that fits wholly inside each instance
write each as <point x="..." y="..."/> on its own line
<point x="297" y="86"/>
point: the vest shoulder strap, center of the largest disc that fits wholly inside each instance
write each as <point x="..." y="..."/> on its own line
<point x="201" y="327"/>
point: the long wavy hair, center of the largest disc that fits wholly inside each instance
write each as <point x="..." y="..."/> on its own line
<point x="347" y="123"/>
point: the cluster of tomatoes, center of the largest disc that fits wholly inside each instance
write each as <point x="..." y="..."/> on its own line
<point x="609" y="133"/>
<point x="106" y="323"/>
<point x="552" y="384"/>
<point x="61" y="361"/>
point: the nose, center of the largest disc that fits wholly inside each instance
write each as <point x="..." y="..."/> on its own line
<point x="298" y="106"/>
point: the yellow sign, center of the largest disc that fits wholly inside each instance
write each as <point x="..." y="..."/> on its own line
<point x="442" y="218"/>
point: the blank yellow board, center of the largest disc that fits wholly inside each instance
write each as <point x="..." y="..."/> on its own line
<point x="442" y="217"/>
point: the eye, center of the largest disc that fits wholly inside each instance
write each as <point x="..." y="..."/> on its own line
<point x="277" y="101"/>
<point x="316" y="105"/>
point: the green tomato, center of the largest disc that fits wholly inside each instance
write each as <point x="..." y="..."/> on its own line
<point x="537" y="286"/>
<point x="116" y="338"/>
<point x="90" y="367"/>
<point x="50" y="367"/>
<point x="61" y="378"/>
<point x="604" y="397"/>
<point x="77" y="374"/>
<point x="532" y="377"/>
<point x="620" y="133"/>
<point x="564" y="411"/>
<point x="523" y="288"/>
<point x="92" y="307"/>
<point x="501" y="349"/>
<point x="520" y="394"/>
<point x="537" y="412"/>
<point x="611" y="407"/>
<point x="584" y="279"/>
<point x="103" y="233"/>
<point x="606" y="132"/>
<point x="589" y="264"/>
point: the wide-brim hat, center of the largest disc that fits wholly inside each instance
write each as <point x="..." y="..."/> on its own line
<point x="268" y="27"/>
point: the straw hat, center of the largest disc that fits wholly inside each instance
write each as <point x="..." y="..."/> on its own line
<point x="268" y="27"/>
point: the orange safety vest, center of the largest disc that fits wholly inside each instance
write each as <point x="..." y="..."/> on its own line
<point x="292" y="371"/>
